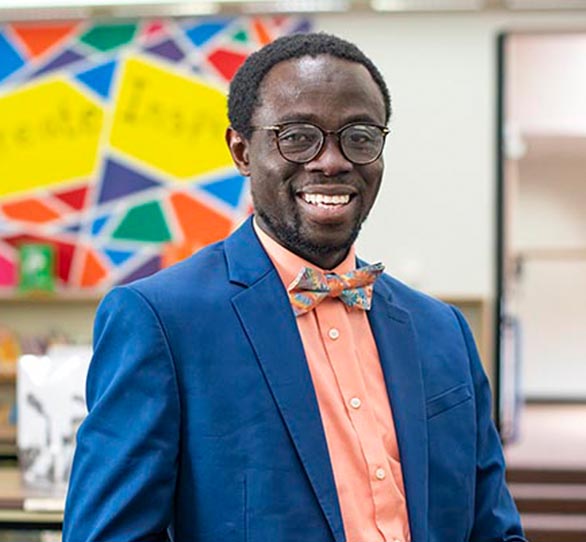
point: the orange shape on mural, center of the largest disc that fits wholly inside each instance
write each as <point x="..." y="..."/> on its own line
<point x="201" y="225"/>
<point x="262" y="34"/>
<point x="38" y="38"/>
<point x="29" y="210"/>
<point x="93" y="270"/>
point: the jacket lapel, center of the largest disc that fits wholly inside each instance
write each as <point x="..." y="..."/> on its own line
<point x="265" y="313"/>
<point x="396" y="345"/>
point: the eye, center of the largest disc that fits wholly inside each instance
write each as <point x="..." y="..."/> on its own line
<point x="358" y="135"/>
<point x="299" y="135"/>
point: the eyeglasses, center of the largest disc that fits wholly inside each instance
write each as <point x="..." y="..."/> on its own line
<point x="301" y="142"/>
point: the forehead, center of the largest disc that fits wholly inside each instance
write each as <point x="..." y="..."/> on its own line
<point x="322" y="88"/>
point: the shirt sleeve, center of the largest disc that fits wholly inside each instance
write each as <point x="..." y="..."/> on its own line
<point x="495" y="514"/>
<point x="124" y="471"/>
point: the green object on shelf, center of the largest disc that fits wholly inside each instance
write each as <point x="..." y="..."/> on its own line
<point x="37" y="268"/>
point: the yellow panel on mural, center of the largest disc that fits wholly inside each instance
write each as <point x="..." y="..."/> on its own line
<point x="49" y="134"/>
<point x="171" y="122"/>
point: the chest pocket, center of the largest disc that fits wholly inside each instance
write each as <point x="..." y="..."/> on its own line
<point x="448" y="399"/>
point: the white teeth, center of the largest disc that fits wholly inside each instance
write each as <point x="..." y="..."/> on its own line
<point x="323" y="199"/>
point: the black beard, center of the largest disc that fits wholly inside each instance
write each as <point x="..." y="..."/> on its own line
<point x="291" y="239"/>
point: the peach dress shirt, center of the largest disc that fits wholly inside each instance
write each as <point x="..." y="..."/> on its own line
<point x="354" y="406"/>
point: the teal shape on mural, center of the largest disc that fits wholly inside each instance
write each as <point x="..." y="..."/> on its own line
<point x="145" y="223"/>
<point x="109" y="36"/>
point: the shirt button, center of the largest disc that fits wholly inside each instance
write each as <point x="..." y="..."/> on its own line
<point x="333" y="333"/>
<point x="355" y="402"/>
<point x="380" y="473"/>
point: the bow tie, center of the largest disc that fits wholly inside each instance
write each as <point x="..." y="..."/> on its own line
<point x="311" y="287"/>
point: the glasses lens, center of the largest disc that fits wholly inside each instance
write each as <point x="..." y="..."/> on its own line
<point x="300" y="142"/>
<point x="362" y="143"/>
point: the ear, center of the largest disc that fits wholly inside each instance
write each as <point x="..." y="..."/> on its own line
<point x="238" y="146"/>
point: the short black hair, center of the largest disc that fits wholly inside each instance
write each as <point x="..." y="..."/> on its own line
<point x="244" y="88"/>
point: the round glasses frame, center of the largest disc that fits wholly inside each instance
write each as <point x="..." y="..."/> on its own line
<point x="277" y="128"/>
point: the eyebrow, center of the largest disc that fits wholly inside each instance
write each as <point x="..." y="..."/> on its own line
<point x="311" y="118"/>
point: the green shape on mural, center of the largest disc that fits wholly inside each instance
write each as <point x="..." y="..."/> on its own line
<point x="241" y="35"/>
<point x="37" y="267"/>
<point x="145" y="223"/>
<point x="108" y="37"/>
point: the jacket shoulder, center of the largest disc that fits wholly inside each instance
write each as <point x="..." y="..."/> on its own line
<point x="202" y="274"/>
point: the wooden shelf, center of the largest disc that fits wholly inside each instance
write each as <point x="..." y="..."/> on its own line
<point x="23" y="506"/>
<point x="7" y="377"/>
<point x="57" y="297"/>
<point x="7" y="434"/>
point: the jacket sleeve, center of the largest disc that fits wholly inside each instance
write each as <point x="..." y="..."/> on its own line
<point x="124" y="471"/>
<point x="495" y="515"/>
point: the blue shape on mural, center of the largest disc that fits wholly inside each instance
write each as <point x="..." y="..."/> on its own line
<point x="200" y="33"/>
<point x="148" y="268"/>
<point x="64" y="59"/>
<point x="98" y="224"/>
<point x="119" y="181"/>
<point x="99" y="79"/>
<point x="10" y="61"/>
<point x="168" y="50"/>
<point x="228" y="190"/>
<point x="118" y="257"/>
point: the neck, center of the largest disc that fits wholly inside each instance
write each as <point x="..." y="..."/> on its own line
<point x="325" y="258"/>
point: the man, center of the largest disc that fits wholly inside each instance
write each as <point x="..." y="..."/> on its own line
<point x="250" y="394"/>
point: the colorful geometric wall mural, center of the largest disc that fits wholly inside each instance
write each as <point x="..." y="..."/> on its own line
<point x="112" y="142"/>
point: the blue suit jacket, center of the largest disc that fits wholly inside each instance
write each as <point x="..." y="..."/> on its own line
<point x="203" y="422"/>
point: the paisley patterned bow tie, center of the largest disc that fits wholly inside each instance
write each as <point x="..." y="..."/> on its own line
<point x="311" y="287"/>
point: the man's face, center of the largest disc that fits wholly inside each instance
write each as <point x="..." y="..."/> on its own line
<point x="295" y="203"/>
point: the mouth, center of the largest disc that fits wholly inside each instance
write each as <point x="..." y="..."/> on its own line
<point x="325" y="200"/>
<point x="328" y="203"/>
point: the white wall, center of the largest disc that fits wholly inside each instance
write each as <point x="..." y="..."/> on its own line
<point x="435" y="214"/>
<point x="552" y="308"/>
<point x="544" y="68"/>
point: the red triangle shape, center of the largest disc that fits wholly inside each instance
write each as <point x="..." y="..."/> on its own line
<point x="74" y="198"/>
<point x="37" y="38"/>
<point x="154" y="28"/>
<point x="227" y="62"/>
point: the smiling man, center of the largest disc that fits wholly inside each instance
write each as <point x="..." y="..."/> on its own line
<point x="273" y="387"/>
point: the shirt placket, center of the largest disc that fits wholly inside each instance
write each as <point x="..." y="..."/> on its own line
<point x="336" y="333"/>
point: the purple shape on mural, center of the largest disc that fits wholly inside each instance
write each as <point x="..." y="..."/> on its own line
<point x="72" y="228"/>
<point x="119" y="181"/>
<point x="167" y="49"/>
<point x="302" y="27"/>
<point x="148" y="268"/>
<point x="64" y="59"/>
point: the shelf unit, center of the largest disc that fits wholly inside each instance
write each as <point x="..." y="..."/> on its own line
<point x="23" y="508"/>
<point x="42" y="314"/>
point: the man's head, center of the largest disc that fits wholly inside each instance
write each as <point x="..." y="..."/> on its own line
<point x="311" y="199"/>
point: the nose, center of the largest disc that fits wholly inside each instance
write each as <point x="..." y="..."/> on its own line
<point x="330" y="161"/>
